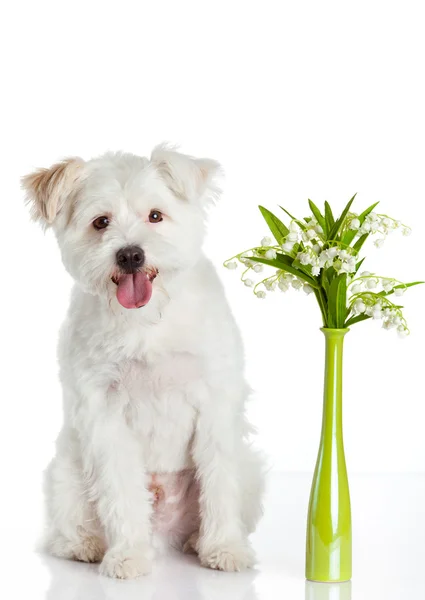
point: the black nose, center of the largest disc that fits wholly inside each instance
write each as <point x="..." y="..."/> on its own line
<point x="130" y="258"/>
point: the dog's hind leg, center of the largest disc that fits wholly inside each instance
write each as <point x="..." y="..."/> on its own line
<point x="73" y="529"/>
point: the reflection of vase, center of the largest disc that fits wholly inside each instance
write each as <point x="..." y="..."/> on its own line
<point x="328" y="553"/>
<point x="327" y="591"/>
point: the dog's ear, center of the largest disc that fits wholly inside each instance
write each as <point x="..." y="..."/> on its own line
<point x="47" y="190"/>
<point x="189" y="178"/>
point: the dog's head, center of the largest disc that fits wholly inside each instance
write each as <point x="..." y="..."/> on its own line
<point x="121" y="219"/>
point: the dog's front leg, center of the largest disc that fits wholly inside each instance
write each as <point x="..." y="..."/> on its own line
<point x="223" y="541"/>
<point x="114" y="464"/>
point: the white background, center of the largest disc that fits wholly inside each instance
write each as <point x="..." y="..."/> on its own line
<point x="296" y="100"/>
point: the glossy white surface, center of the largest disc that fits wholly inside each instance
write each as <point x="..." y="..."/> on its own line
<point x="389" y="554"/>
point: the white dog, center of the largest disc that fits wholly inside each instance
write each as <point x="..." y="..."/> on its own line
<point x="154" y="444"/>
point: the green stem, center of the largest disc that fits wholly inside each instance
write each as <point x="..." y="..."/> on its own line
<point x="320" y="295"/>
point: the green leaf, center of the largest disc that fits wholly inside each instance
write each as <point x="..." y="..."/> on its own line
<point x="356" y="319"/>
<point x="349" y="236"/>
<point x="285" y="264"/>
<point x="318" y="215"/>
<point x="326" y="277"/>
<point x="401" y="286"/>
<point x="341" y="301"/>
<point x="329" y="218"/>
<point x="302" y="225"/>
<point x="357" y="246"/>
<point x="337" y="309"/>
<point x="278" y="229"/>
<point x="331" y="322"/>
<point x="330" y="274"/>
<point x="320" y="297"/>
<point x="338" y="224"/>
<point x="324" y="282"/>
<point x="359" y="264"/>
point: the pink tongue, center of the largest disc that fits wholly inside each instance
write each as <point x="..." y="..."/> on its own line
<point x="134" y="290"/>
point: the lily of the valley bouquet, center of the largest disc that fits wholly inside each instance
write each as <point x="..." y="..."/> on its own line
<point x="321" y="255"/>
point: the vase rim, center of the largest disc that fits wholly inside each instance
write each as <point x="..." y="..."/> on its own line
<point x="335" y="329"/>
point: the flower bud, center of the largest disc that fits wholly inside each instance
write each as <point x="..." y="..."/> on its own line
<point x="270" y="285"/>
<point x="356" y="288"/>
<point x="399" y="291"/>
<point x="270" y="254"/>
<point x="283" y="285"/>
<point x="359" y="306"/>
<point x="305" y="258"/>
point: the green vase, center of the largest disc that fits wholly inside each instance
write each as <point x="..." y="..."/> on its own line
<point x="328" y="552"/>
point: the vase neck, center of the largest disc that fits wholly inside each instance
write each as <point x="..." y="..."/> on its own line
<point x="332" y="394"/>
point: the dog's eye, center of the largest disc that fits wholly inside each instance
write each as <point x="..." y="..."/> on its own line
<point x="101" y="223"/>
<point x="155" y="216"/>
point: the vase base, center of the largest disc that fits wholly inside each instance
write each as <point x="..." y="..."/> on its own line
<point x="328" y="580"/>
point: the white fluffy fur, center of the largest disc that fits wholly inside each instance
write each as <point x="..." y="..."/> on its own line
<point x="152" y="390"/>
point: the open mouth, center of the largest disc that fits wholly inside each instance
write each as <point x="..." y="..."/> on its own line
<point x="134" y="290"/>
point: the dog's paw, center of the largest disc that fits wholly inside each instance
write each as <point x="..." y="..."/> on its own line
<point x="91" y="549"/>
<point x="84" y="547"/>
<point x="232" y="556"/>
<point x="127" y="564"/>
<point x="191" y="544"/>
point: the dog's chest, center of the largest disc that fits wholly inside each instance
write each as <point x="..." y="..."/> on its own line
<point x="164" y="394"/>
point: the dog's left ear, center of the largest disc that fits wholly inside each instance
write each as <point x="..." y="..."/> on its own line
<point x="189" y="178"/>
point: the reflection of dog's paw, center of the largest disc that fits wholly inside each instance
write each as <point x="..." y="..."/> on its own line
<point x="191" y="545"/>
<point x="235" y="556"/>
<point x="126" y="564"/>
